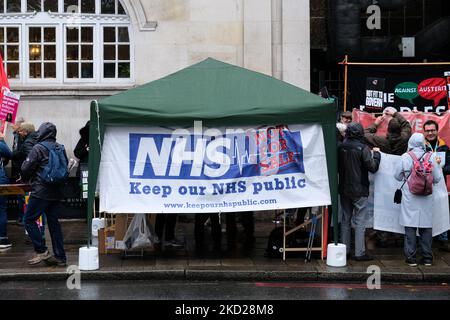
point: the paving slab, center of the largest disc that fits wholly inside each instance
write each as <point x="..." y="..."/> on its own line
<point x="204" y="263"/>
<point x="245" y="262"/>
<point x="230" y="264"/>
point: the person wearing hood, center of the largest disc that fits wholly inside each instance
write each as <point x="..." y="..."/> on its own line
<point x="398" y="132"/>
<point x="415" y="209"/>
<point x="44" y="197"/>
<point x="355" y="161"/>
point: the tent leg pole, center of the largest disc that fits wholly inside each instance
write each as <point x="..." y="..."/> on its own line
<point x="345" y="81"/>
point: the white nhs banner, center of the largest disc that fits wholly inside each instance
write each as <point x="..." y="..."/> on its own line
<point x="198" y="169"/>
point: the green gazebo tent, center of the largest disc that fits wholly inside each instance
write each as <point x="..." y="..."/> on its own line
<point x="219" y="94"/>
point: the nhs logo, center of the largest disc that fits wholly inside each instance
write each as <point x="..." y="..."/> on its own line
<point x="213" y="154"/>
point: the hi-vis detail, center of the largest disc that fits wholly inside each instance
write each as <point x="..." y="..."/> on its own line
<point x="213" y="155"/>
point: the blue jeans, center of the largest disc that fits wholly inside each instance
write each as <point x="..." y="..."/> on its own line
<point x="3" y="218"/>
<point x="51" y="208"/>
<point x="425" y="240"/>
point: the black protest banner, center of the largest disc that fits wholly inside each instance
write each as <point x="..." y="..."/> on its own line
<point x="404" y="87"/>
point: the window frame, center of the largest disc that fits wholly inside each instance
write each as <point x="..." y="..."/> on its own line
<point x="42" y="80"/>
<point x="95" y="77"/>
<point x="5" y="57"/>
<point x="60" y="21"/>
<point x="25" y="5"/>
<point x="102" y="42"/>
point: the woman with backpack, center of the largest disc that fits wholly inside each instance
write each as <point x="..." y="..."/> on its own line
<point x="417" y="199"/>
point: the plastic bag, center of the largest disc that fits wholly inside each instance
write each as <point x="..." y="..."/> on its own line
<point x="138" y="234"/>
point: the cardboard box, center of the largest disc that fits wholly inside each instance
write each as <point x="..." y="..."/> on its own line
<point x="110" y="239"/>
<point x="121" y="226"/>
<point x="101" y="241"/>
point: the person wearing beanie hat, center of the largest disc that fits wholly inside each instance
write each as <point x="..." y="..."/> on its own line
<point x="346" y="117"/>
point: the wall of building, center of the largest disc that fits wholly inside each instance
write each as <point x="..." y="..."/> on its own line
<point x="268" y="36"/>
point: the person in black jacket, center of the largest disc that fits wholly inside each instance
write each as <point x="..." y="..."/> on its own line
<point x="355" y="161"/>
<point x="44" y="198"/>
<point x="15" y="167"/>
<point x="17" y="141"/>
<point x="434" y="143"/>
<point x="81" y="150"/>
<point x="28" y="136"/>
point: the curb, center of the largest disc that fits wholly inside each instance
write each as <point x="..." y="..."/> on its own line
<point x="228" y="275"/>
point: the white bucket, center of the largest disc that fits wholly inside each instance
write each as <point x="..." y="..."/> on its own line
<point x="88" y="258"/>
<point x="97" y="223"/>
<point x="337" y="255"/>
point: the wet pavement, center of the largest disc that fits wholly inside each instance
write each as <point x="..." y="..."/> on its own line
<point x="218" y="291"/>
<point x="229" y="265"/>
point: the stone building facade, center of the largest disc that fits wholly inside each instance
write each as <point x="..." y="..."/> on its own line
<point x="62" y="54"/>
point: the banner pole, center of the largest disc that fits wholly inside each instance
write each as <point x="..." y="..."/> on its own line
<point x="345" y="81"/>
<point x="396" y="63"/>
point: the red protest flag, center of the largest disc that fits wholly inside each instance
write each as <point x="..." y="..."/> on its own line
<point x="3" y="79"/>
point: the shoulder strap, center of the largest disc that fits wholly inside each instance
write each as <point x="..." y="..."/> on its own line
<point x="45" y="144"/>
<point x="413" y="155"/>
<point x="428" y="156"/>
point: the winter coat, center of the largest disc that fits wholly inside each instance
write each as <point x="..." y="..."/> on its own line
<point x="441" y="147"/>
<point x="5" y="152"/>
<point x="16" y="164"/>
<point x="81" y="149"/>
<point x="355" y="161"/>
<point x="416" y="210"/>
<point x="394" y="142"/>
<point x="24" y="149"/>
<point x="35" y="163"/>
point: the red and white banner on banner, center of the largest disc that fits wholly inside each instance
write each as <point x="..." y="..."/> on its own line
<point x="416" y="119"/>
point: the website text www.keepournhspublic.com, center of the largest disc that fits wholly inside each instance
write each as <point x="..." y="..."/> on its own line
<point x="219" y="205"/>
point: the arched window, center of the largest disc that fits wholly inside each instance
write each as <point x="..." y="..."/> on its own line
<point x="66" y="42"/>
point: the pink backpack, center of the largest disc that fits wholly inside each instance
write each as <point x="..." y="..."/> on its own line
<point x="420" y="181"/>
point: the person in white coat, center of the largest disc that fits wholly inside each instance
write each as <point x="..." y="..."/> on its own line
<point x="416" y="209"/>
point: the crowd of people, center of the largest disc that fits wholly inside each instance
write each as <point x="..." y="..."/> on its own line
<point x="359" y="153"/>
<point x="33" y="154"/>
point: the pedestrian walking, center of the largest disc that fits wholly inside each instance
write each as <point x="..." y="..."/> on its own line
<point x="45" y="195"/>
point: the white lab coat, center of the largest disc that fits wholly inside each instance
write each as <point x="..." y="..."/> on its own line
<point x="416" y="210"/>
